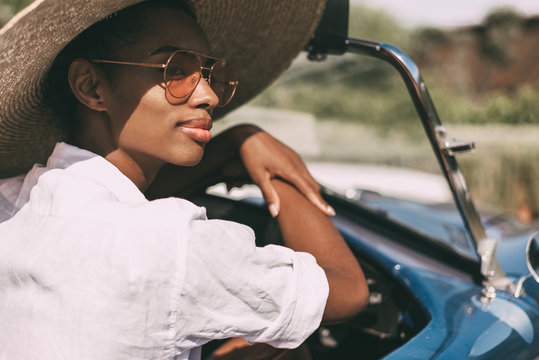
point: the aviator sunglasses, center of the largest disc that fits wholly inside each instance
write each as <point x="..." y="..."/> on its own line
<point x="183" y="70"/>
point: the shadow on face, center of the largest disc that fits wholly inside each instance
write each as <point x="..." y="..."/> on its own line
<point x="121" y="36"/>
<point x="123" y="108"/>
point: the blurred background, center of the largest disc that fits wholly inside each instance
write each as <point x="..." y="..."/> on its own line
<point x="479" y="59"/>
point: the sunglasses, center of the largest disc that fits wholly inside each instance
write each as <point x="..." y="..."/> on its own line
<point x="183" y="70"/>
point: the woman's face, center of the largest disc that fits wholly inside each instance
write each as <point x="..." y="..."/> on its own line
<point x="146" y="124"/>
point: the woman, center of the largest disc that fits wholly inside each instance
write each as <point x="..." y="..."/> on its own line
<point x="89" y="268"/>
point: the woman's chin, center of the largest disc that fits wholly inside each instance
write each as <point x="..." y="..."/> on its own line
<point x="188" y="161"/>
<point x="192" y="163"/>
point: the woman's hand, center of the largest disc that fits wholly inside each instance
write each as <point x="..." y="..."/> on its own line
<point x="266" y="158"/>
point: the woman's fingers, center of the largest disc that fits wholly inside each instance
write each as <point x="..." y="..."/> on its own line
<point x="318" y="201"/>
<point x="302" y="179"/>
<point x="266" y="158"/>
<point x="270" y="194"/>
<point x="305" y="183"/>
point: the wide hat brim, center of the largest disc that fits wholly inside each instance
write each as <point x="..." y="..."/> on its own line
<point x="259" y="37"/>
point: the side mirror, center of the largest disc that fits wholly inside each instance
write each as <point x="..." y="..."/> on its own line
<point x="532" y="262"/>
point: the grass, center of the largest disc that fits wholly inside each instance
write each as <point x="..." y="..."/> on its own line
<point x="502" y="173"/>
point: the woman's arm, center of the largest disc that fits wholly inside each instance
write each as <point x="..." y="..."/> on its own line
<point x="240" y="155"/>
<point x="246" y="151"/>
<point x="305" y="228"/>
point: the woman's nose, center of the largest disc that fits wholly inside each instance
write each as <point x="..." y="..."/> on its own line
<point x="203" y="95"/>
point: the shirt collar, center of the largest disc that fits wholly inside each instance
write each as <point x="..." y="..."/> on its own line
<point x="88" y="165"/>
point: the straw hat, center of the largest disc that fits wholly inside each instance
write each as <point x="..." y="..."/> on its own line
<point x="259" y="37"/>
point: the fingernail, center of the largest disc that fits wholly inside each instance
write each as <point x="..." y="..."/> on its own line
<point x="330" y="211"/>
<point x="273" y="210"/>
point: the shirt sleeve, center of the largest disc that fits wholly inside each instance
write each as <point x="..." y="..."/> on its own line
<point x="232" y="288"/>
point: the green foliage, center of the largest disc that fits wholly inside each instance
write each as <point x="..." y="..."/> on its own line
<point x="426" y="40"/>
<point x="345" y="89"/>
<point x="371" y="92"/>
<point x="8" y="8"/>
<point x="503" y="17"/>
<point x="516" y="108"/>
<point x="368" y="93"/>
<point x="522" y="108"/>
<point x="352" y="88"/>
<point x="377" y="25"/>
<point x="501" y="26"/>
<point x="504" y="178"/>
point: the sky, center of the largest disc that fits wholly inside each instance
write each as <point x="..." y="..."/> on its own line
<point x="441" y="13"/>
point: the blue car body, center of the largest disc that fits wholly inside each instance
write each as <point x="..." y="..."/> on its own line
<point x="461" y="324"/>
<point x="427" y="298"/>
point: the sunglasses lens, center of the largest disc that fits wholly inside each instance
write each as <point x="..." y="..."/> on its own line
<point x="223" y="81"/>
<point x="182" y="74"/>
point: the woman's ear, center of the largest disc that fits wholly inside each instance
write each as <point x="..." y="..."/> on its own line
<point x="87" y="84"/>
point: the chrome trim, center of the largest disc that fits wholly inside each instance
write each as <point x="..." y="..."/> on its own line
<point x="519" y="288"/>
<point x="528" y="262"/>
<point x="450" y="145"/>
<point x="445" y="151"/>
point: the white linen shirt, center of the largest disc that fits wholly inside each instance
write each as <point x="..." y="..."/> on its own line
<point x="90" y="269"/>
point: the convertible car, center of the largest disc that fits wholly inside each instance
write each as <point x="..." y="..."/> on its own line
<point x="446" y="282"/>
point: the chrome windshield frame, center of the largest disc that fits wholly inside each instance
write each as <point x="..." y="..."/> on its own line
<point x="445" y="149"/>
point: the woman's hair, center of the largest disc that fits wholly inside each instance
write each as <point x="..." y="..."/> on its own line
<point x="103" y="40"/>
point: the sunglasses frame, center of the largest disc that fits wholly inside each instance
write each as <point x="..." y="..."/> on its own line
<point x="165" y="67"/>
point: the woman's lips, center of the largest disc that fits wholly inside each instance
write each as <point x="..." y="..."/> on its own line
<point x="198" y="130"/>
<point x="197" y="134"/>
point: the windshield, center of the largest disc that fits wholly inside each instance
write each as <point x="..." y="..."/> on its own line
<point x="352" y="121"/>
